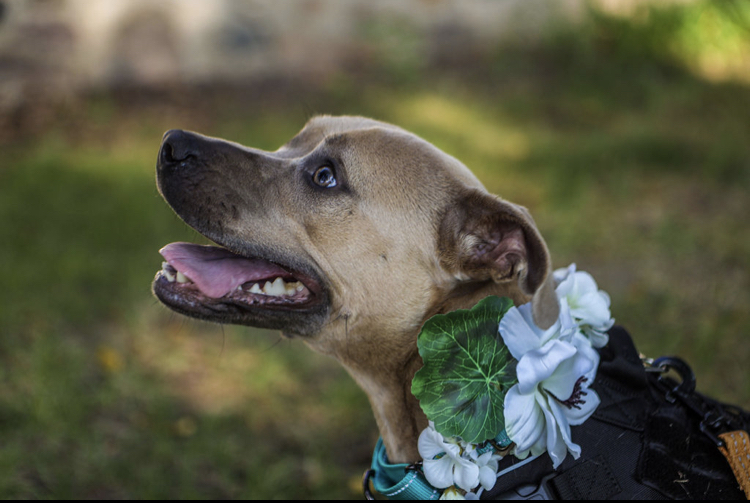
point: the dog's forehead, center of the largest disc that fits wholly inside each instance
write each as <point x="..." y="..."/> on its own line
<point x="329" y="125"/>
<point x="375" y="139"/>
<point x="321" y="127"/>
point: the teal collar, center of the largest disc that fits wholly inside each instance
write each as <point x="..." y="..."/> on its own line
<point x="406" y="482"/>
<point x="399" y="481"/>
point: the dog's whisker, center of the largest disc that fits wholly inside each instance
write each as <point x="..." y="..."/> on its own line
<point x="346" y="333"/>
<point x="223" y="341"/>
<point x="269" y="348"/>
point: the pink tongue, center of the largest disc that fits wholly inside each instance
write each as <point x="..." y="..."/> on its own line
<point x="216" y="271"/>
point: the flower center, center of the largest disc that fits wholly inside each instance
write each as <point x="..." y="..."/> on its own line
<point x="575" y="401"/>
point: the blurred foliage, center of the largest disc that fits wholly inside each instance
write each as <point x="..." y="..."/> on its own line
<point x="710" y="38"/>
<point x="632" y="157"/>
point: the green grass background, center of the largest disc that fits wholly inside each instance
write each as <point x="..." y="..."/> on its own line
<point x="632" y="156"/>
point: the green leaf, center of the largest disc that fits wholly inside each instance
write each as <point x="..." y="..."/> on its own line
<point x="467" y="371"/>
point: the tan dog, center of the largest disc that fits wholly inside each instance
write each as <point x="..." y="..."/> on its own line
<point x="349" y="237"/>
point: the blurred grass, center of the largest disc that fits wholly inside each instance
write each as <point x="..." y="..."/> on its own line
<point x="633" y="158"/>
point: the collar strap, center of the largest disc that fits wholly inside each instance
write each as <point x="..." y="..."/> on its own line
<point x="398" y="481"/>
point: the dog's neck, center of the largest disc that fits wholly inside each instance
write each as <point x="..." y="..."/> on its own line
<point x="397" y="412"/>
<point x="386" y="376"/>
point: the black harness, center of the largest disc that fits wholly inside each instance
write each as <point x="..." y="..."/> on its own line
<point x="650" y="438"/>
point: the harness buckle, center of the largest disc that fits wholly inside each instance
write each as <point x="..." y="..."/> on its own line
<point x="415" y="467"/>
<point x="524" y="492"/>
<point x="714" y="420"/>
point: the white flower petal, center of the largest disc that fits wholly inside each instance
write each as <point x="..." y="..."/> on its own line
<point x="540" y="446"/>
<point x="592" y="309"/>
<point x="556" y="446"/>
<point x="598" y="339"/>
<point x="431" y="444"/>
<point x="439" y="472"/>
<point x="524" y="421"/>
<point x="556" y="331"/>
<point x="576" y="416"/>
<point x="517" y="334"/>
<point x="584" y="346"/>
<point x="585" y="283"/>
<point x="566" y="326"/>
<point x="487" y="464"/>
<point x="562" y="382"/>
<point x="558" y="411"/>
<point x="487" y="477"/>
<point x="466" y="475"/>
<point x="488" y="459"/>
<point x="564" y="280"/>
<point x="538" y="365"/>
<point x="605" y="297"/>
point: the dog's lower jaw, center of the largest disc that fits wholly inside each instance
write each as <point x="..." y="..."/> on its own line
<point x="397" y="412"/>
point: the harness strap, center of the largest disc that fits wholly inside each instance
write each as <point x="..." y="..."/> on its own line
<point x="737" y="451"/>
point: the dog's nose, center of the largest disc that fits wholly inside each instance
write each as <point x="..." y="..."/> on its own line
<point x="177" y="146"/>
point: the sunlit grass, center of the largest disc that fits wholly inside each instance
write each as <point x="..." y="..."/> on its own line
<point x="463" y="125"/>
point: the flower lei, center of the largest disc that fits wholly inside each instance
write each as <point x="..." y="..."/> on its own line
<point x="518" y="394"/>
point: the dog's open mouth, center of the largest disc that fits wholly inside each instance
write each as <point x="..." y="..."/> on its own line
<point x="218" y="273"/>
<point x="212" y="282"/>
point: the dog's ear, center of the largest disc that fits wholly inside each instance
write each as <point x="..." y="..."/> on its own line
<point x="483" y="237"/>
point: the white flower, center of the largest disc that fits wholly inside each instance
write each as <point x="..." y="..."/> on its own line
<point x="589" y="306"/>
<point x="443" y="463"/>
<point x="555" y="368"/>
<point x="452" y="494"/>
<point x="487" y="464"/>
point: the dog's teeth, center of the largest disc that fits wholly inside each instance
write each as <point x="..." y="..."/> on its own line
<point x="268" y="288"/>
<point x="181" y="278"/>
<point x="166" y="272"/>
<point x="294" y="287"/>
<point x="290" y="288"/>
<point x="277" y="288"/>
<point x="255" y="288"/>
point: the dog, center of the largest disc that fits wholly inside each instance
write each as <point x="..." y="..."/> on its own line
<point x="348" y="237"/>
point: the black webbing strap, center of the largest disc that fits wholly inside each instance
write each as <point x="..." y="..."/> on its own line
<point x="591" y="480"/>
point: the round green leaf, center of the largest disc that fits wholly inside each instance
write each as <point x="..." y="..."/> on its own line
<point x="467" y="371"/>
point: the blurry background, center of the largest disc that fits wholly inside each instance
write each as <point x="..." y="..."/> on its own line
<point x="623" y="125"/>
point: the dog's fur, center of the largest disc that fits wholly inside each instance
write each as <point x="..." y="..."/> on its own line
<point x="408" y="232"/>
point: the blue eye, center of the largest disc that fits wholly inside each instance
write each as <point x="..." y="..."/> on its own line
<point x="325" y="177"/>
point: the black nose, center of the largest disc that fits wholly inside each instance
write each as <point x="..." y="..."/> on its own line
<point x="177" y="146"/>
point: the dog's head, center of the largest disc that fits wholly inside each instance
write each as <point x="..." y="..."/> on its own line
<point x="351" y="235"/>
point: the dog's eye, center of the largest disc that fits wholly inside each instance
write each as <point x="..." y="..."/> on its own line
<point x="325" y="177"/>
